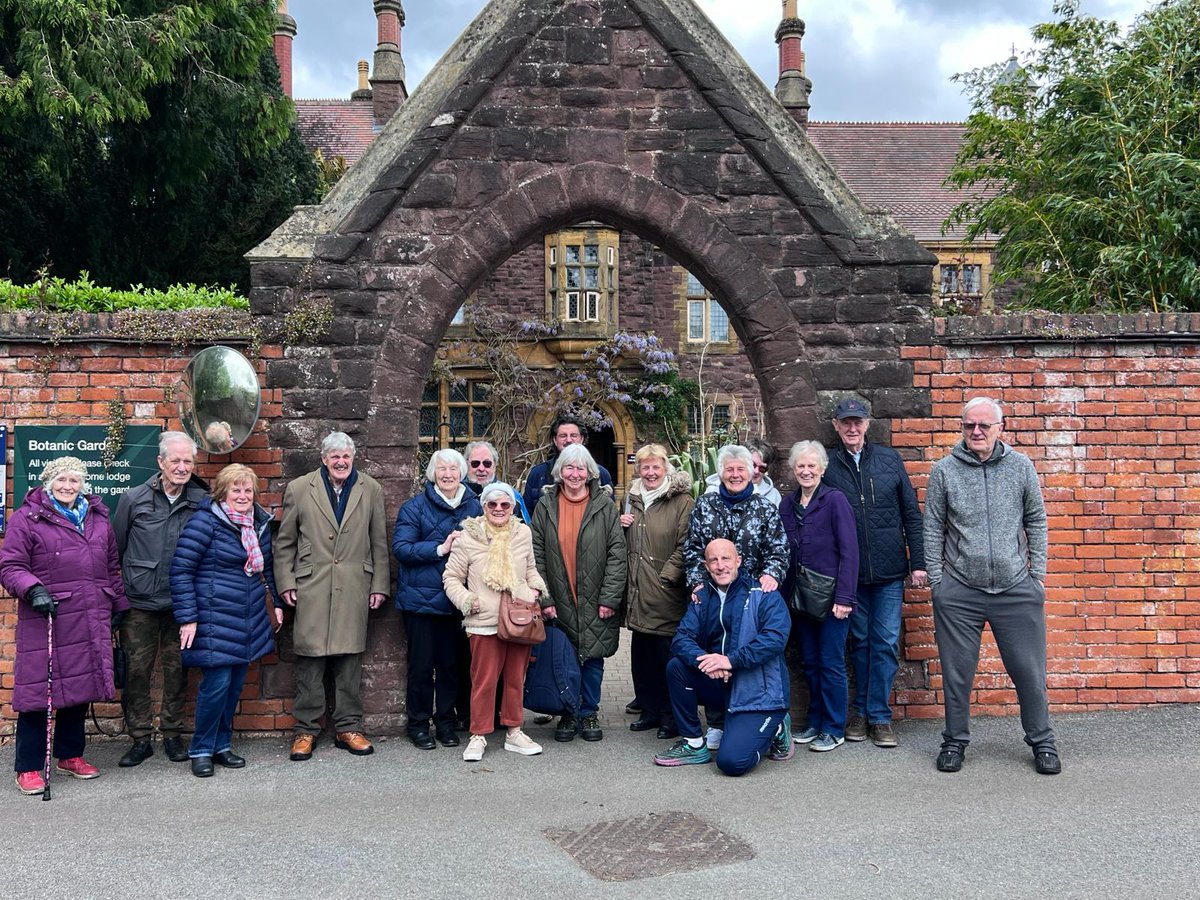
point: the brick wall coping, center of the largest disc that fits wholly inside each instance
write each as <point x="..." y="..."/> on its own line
<point x="130" y="326"/>
<point x="1069" y="329"/>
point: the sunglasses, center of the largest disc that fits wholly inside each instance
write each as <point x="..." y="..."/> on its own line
<point x="481" y="464"/>
<point x="762" y="468"/>
<point x="498" y="504"/>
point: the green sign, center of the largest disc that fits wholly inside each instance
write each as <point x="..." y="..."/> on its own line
<point x="36" y="445"/>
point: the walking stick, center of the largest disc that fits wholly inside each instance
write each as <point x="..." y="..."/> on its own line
<point x="49" y="700"/>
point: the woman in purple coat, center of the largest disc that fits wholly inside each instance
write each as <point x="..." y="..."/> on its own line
<point x="822" y="536"/>
<point x="60" y="560"/>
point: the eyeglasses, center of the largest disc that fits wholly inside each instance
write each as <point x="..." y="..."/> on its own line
<point x="481" y="464"/>
<point x="498" y="504"/>
<point x="978" y="426"/>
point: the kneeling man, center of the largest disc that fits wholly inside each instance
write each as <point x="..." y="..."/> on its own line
<point x="728" y="654"/>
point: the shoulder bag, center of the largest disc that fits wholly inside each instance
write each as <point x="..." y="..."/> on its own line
<point x="520" y="621"/>
<point x="812" y="593"/>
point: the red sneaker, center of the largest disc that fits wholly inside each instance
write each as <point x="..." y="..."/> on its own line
<point x="78" y="767"/>
<point x="30" y="782"/>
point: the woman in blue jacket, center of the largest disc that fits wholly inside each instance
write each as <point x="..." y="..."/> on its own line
<point x="220" y="577"/>
<point x="822" y="537"/>
<point x="426" y="528"/>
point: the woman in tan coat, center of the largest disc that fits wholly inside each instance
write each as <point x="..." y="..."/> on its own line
<point x="656" y="525"/>
<point x="494" y="554"/>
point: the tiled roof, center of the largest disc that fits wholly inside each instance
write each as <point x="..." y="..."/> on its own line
<point x="337" y="127"/>
<point x="897" y="166"/>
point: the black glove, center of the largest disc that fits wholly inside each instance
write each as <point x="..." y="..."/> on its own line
<point x="118" y="617"/>
<point x="41" y="600"/>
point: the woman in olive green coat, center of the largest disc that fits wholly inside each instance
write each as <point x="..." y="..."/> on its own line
<point x="580" y="551"/>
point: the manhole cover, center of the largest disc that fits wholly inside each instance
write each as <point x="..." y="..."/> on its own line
<point x="649" y="846"/>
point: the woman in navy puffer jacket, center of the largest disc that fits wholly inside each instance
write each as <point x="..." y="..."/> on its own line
<point x="426" y="528"/>
<point x="219" y="578"/>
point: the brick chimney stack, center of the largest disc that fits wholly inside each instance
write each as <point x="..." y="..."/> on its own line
<point x="793" y="88"/>
<point x="285" y="33"/>
<point x="387" y="79"/>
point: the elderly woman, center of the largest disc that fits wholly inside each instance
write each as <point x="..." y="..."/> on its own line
<point x="494" y="554"/>
<point x="657" y="509"/>
<point x="580" y="552"/>
<point x="762" y="455"/>
<point x="426" y="528"/>
<point x="60" y="560"/>
<point x="822" y="536"/>
<point x="222" y="591"/>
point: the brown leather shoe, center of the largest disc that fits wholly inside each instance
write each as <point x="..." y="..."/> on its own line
<point x="355" y="742"/>
<point x="302" y="747"/>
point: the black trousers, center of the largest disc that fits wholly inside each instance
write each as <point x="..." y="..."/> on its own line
<point x="648" y="658"/>
<point x="433" y="660"/>
<point x="69" y="737"/>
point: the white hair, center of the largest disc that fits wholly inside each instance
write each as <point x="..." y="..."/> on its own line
<point x="985" y="401"/>
<point x="731" y="452"/>
<point x="808" y="448"/>
<point x="446" y="456"/>
<point x="336" y="440"/>
<point x="167" y="438"/>
<point x="575" y="454"/>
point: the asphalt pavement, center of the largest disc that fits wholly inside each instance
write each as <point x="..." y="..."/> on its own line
<point x="1121" y="821"/>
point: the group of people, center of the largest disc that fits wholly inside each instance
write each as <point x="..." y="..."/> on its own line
<point x="712" y="589"/>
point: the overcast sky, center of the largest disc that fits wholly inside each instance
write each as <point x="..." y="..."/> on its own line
<point x="869" y="60"/>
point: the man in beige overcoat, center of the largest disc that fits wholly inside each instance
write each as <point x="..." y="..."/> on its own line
<point x="332" y="565"/>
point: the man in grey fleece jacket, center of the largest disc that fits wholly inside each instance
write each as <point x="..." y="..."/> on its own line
<point x="985" y="551"/>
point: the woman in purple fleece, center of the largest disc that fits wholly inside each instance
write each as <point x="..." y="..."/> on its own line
<point x="822" y="537"/>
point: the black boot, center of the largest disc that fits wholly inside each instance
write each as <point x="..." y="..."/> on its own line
<point x="141" y="751"/>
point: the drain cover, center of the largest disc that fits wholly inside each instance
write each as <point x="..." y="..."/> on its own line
<point x="649" y="846"/>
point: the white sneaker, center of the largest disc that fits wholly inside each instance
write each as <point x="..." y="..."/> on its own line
<point x="475" y="747"/>
<point x="713" y="738"/>
<point x="518" y="741"/>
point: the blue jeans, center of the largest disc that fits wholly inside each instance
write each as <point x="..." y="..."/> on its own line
<point x="216" y="701"/>
<point x="823" y="645"/>
<point x="591" y="672"/>
<point x="748" y="735"/>
<point x="875" y="648"/>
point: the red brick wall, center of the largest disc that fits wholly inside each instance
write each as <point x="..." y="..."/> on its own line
<point x="1100" y="404"/>
<point x="73" y="381"/>
<point x="1103" y="406"/>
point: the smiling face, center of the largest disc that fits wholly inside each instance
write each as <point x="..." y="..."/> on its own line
<point x="652" y="471"/>
<point x="722" y="561"/>
<point x="568" y="433"/>
<point x="853" y="432"/>
<point x="66" y="487"/>
<point x="176" y="466"/>
<point x="481" y="468"/>
<point x="808" y="472"/>
<point x="339" y="464"/>
<point x="498" y="510"/>
<point x="447" y="476"/>
<point x="574" y="479"/>
<point x="735" y="475"/>
<point x="240" y="496"/>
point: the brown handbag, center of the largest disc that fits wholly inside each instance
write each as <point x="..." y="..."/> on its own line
<point x="520" y="620"/>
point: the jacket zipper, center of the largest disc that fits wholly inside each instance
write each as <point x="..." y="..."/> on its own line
<point x="987" y="506"/>
<point x="721" y="619"/>
<point x="856" y="473"/>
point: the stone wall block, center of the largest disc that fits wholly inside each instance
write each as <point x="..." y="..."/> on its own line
<point x="805" y="251"/>
<point x="914" y="279"/>
<point x="594" y="145"/>
<point x="839" y="374"/>
<point x="873" y="308"/>
<point x="589" y="46"/>
<point x="371" y="211"/>
<point x="895" y="403"/>
<point x="431" y="190"/>
<point x="276" y="273"/>
<point x="356" y="303"/>
<point x="358" y="375"/>
<point x="338" y="248"/>
<point x="808" y="311"/>
<point x="887" y="374"/>
<point x="878" y="280"/>
<point x="404" y="249"/>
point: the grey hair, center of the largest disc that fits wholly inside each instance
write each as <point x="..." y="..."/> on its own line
<point x="167" y="438"/>
<point x="984" y="401"/>
<point x="498" y="487"/>
<point x="808" y="448"/>
<point x="763" y="449"/>
<point x="475" y="445"/>
<point x="575" y="454"/>
<point x="734" y="451"/>
<point x="446" y="455"/>
<point x="336" y="440"/>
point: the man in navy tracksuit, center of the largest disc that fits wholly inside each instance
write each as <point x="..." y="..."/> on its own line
<point x="728" y="654"/>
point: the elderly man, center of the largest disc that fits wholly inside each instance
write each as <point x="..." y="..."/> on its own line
<point x="890" y="544"/>
<point x="483" y="467"/>
<point x="985" y="544"/>
<point x="564" y="431"/>
<point x="728" y="655"/>
<point x="148" y="522"/>
<point x="332" y="565"/>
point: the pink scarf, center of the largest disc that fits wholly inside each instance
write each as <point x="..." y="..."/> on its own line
<point x="245" y="521"/>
